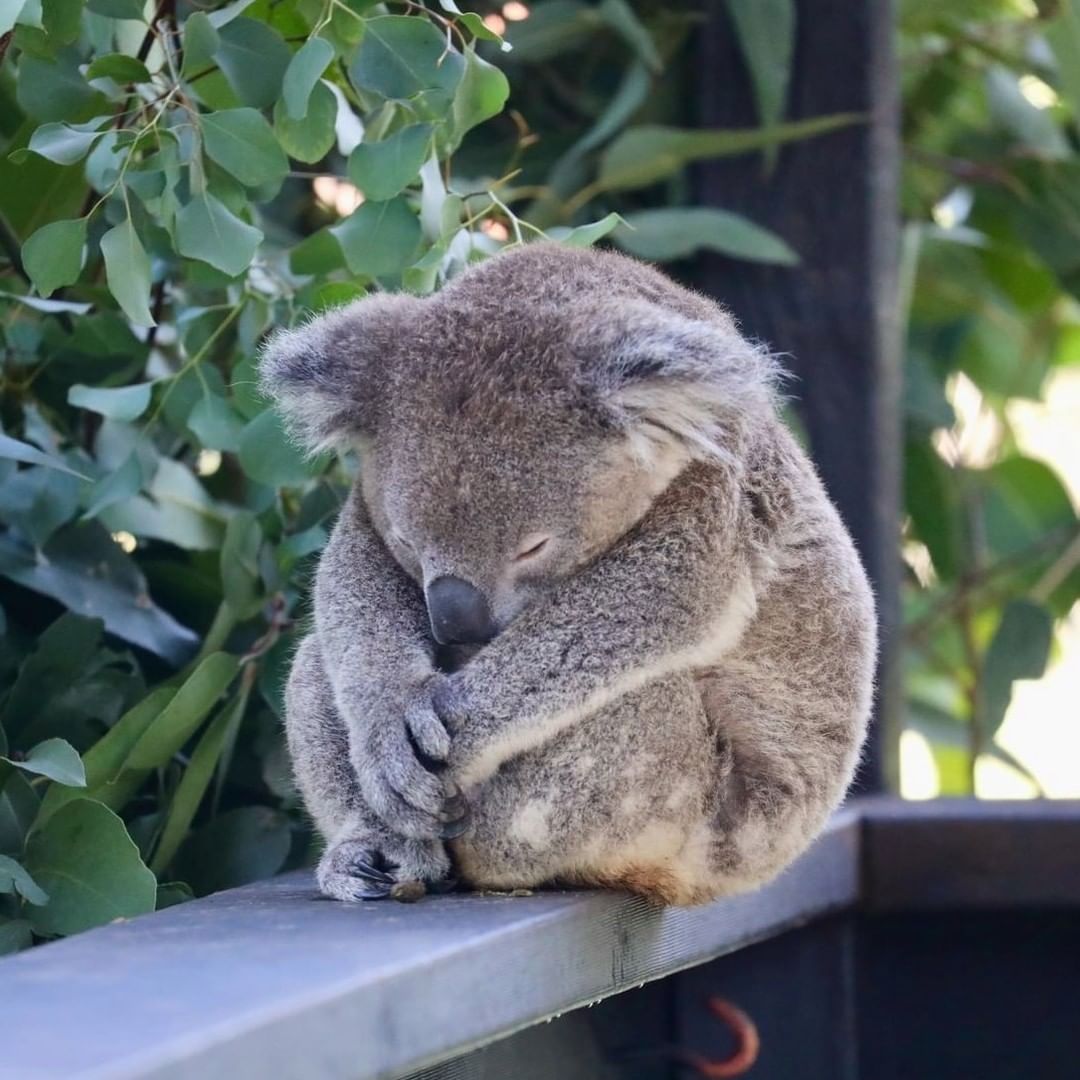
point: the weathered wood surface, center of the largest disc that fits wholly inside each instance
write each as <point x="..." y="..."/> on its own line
<point x="271" y="981"/>
<point x="833" y="199"/>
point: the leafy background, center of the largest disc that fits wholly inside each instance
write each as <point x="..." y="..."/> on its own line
<point x="177" y="178"/>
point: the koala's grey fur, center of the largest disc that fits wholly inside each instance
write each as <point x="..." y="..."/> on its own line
<point x="680" y="686"/>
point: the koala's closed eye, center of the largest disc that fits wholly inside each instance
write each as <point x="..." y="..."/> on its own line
<point x="532" y="546"/>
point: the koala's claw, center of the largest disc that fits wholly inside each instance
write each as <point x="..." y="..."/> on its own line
<point x="355" y="870"/>
<point x="367" y="865"/>
<point x="455" y="814"/>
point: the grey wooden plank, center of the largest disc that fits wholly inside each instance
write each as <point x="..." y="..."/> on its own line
<point x="270" y="980"/>
<point x="953" y="853"/>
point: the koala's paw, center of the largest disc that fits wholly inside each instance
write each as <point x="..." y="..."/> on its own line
<point x="369" y="868"/>
<point x="401" y="769"/>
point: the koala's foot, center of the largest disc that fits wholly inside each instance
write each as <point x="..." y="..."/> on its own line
<point x="373" y="868"/>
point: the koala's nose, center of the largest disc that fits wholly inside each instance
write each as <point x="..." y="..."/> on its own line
<point x="459" y="613"/>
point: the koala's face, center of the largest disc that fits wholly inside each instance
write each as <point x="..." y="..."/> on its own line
<point x="516" y="424"/>
<point x="488" y="512"/>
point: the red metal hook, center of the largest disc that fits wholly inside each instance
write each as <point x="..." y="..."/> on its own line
<point x="746" y="1052"/>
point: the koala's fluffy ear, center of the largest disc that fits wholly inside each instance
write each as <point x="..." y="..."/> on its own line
<point x="666" y="378"/>
<point x="325" y="375"/>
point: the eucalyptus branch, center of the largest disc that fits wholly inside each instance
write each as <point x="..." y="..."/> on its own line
<point x="982" y="578"/>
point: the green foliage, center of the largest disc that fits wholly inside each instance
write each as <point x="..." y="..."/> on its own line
<point x="991" y="110"/>
<point x="157" y="219"/>
<point x="171" y="192"/>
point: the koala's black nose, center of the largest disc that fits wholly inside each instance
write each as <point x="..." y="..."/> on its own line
<point x="459" y="613"/>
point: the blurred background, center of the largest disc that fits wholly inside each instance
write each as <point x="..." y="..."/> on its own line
<point x="178" y="178"/>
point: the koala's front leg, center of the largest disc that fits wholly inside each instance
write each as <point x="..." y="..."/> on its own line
<point x="674" y="593"/>
<point x="372" y="628"/>
<point x="364" y="858"/>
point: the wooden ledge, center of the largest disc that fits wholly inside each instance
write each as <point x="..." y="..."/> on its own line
<point x="271" y="980"/>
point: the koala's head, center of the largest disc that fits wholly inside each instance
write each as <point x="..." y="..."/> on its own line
<point x="520" y="422"/>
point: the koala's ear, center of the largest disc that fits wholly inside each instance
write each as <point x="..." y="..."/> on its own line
<point x="665" y="377"/>
<point x="326" y="374"/>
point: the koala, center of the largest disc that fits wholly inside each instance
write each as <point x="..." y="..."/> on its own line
<point x="588" y="617"/>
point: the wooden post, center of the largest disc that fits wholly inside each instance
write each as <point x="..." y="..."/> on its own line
<point x="833" y="199"/>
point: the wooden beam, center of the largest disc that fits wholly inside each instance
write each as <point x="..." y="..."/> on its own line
<point x="833" y="199"/>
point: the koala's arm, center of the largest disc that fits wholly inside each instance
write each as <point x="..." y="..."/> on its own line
<point x="673" y="593"/>
<point x="372" y="628"/>
<point x="369" y="614"/>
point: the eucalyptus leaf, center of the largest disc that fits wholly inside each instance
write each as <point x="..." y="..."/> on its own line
<point x="215" y="423"/>
<point x="201" y="42"/>
<point x="400" y="56"/>
<point x="379" y="237"/>
<point x="243" y="143"/>
<point x="195" y="782"/>
<point x="480" y="95"/>
<point x="303" y="74"/>
<point x="1019" y="649"/>
<point x="206" y="229"/>
<point x="621" y="17"/>
<point x="16" y="450"/>
<point x="235" y="848"/>
<point x="15" y="934"/>
<point x="587" y="235"/>
<point x="117" y="403"/>
<point x="766" y="32"/>
<point x="240" y="575"/>
<point x="312" y="138"/>
<point x="118" y="9"/>
<point x="15" y="879"/>
<point x="641" y="156"/>
<point x="254" y="58"/>
<point x="115" y="486"/>
<point x="118" y="66"/>
<point x="56" y="759"/>
<point x="53" y="256"/>
<point x="679" y="232"/>
<point x="127" y="270"/>
<point x="383" y="169"/>
<point x="66" y="143"/>
<point x="268" y="455"/>
<point x="84" y="569"/>
<point x="86" y="862"/>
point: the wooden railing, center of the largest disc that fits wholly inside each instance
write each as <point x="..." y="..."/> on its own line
<point x="271" y="981"/>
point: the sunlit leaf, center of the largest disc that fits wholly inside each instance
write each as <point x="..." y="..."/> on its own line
<point x="1019" y="649"/>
